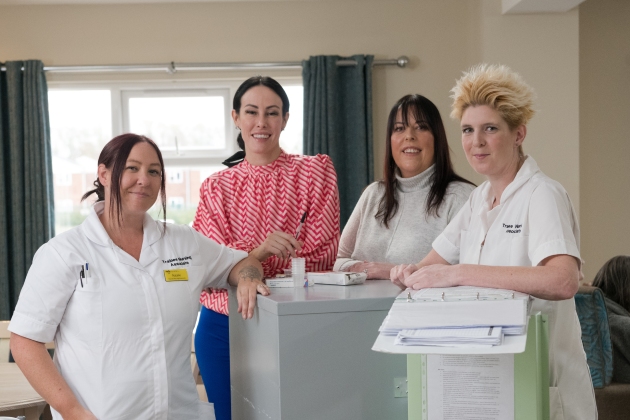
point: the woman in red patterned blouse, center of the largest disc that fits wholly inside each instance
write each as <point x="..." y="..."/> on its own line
<point x="256" y="206"/>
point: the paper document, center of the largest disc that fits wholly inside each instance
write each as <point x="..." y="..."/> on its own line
<point x="470" y="387"/>
<point x="482" y="336"/>
<point x="461" y="306"/>
<point x="505" y="329"/>
<point x="461" y="293"/>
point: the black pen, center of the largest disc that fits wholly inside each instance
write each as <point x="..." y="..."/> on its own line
<point x="302" y="220"/>
<point x="81" y="275"/>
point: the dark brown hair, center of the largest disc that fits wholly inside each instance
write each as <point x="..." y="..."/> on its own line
<point x="614" y="280"/>
<point x="114" y="156"/>
<point x="423" y="110"/>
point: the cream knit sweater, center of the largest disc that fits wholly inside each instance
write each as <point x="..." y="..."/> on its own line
<point x="411" y="231"/>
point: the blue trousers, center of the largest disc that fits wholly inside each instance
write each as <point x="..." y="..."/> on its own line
<point x="212" y="348"/>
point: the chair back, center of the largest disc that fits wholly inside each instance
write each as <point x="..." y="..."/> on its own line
<point x="5" y="348"/>
<point x="5" y="335"/>
<point x="591" y="310"/>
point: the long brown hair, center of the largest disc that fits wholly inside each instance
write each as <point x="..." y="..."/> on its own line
<point x="114" y="156"/>
<point x="614" y="280"/>
<point x="423" y="110"/>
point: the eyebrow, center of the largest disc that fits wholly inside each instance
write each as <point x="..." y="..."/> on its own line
<point x="270" y="106"/>
<point x="137" y="161"/>
<point x="417" y="122"/>
<point x="482" y="124"/>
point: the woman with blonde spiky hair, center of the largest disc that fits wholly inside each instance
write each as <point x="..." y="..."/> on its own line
<point x="517" y="231"/>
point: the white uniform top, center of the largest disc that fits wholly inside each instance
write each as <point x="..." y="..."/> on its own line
<point x="535" y="220"/>
<point x="123" y="339"/>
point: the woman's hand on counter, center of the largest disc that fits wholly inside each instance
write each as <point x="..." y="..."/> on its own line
<point x="399" y="273"/>
<point x="247" y="276"/>
<point x="374" y="270"/>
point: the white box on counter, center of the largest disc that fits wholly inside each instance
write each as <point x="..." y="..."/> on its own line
<point x="284" y="282"/>
<point x="279" y="282"/>
<point x="339" y="278"/>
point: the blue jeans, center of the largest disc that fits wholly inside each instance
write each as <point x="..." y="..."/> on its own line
<point x="212" y="348"/>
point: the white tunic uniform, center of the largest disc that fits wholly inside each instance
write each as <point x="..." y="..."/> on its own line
<point x="535" y="220"/>
<point x="123" y="337"/>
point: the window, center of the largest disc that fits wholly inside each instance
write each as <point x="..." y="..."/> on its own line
<point x="181" y="122"/>
<point x="63" y="179"/>
<point x="64" y="205"/>
<point x="190" y="121"/>
<point x="80" y="124"/>
<point x="175" y="176"/>
<point x="175" y="202"/>
<point x="291" y="138"/>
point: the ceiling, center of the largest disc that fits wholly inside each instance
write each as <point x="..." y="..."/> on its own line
<point x="509" y="6"/>
<point x="27" y="2"/>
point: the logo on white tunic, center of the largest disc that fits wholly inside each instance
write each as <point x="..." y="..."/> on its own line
<point x="514" y="228"/>
<point x="174" y="262"/>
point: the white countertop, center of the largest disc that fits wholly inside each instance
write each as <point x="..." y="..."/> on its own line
<point x="374" y="295"/>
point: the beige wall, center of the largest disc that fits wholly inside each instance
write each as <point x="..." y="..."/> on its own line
<point x="544" y="49"/>
<point x="604" y="119"/>
<point x="434" y="34"/>
<point x="442" y="38"/>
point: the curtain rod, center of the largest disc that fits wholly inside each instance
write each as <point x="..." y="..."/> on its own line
<point x="173" y="67"/>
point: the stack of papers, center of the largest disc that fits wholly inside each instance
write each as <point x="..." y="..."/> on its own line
<point x="386" y="328"/>
<point x="456" y="316"/>
<point x="451" y="337"/>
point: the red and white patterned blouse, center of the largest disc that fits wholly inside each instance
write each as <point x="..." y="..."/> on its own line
<point x="240" y="206"/>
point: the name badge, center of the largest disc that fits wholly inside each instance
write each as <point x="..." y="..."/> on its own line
<point x="180" y="274"/>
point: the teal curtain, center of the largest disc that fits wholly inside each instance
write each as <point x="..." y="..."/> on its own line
<point x="26" y="183"/>
<point x="338" y="121"/>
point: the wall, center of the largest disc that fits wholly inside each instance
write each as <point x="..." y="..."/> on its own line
<point x="249" y="31"/>
<point x="544" y="49"/>
<point x="442" y="38"/>
<point x="604" y="143"/>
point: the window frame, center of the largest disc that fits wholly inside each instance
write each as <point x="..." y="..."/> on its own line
<point x="118" y="88"/>
<point x="171" y="156"/>
<point x="116" y="84"/>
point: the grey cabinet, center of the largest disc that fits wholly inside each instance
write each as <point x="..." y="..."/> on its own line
<point x="307" y="355"/>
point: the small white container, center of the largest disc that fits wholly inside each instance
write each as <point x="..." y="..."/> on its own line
<point x="298" y="271"/>
<point x="338" y="278"/>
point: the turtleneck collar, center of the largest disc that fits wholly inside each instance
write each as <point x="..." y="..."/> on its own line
<point x="264" y="169"/>
<point x="415" y="183"/>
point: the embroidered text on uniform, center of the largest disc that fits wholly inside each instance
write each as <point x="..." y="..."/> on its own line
<point x="512" y="228"/>
<point x="174" y="262"/>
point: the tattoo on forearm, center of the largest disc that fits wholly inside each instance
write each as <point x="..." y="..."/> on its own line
<point x="250" y="273"/>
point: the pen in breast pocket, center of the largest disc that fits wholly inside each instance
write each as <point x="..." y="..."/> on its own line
<point x="84" y="274"/>
<point x="299" y="229"/>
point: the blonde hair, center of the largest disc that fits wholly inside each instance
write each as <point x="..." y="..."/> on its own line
<point x="498" y="87"/>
